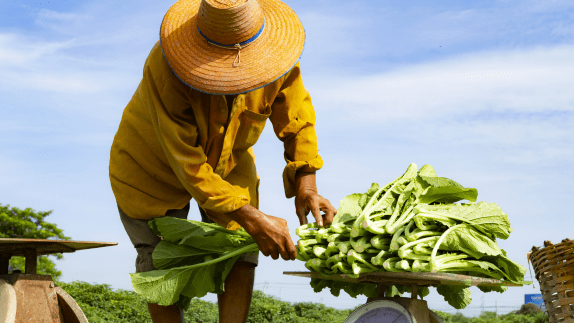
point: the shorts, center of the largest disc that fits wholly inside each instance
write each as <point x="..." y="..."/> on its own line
<point x="144" y="240"/>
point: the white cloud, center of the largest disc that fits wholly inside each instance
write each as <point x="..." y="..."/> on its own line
<point x="55" y="67"/>
<point x="515" y="107"/>
<point x="27" y="64"/>
<point x="526" y="81"/>
<point x="562" y="28"/>
<point x="67" y="23"/>
<point x="80" y="55"/>
<point x="61" y="16"/>
<point x="16" y="50"/>
<point x="515" y="141"/>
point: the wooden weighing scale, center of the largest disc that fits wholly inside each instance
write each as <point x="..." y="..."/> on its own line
<point x="400" y="309"/>
<point x="29" y="297"/>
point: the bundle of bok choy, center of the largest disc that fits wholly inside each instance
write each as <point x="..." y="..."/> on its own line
<point x="412" y="224"/>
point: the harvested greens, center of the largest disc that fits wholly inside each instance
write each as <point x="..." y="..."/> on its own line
<point x="411" y="225"/>
<point x="193" y="259"/>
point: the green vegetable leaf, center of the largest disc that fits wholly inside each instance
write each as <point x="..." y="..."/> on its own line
<point x="513" y="270"/>
<point x="200" y="282"/>
<point x="487" y="289"/>
<point x="485" y="217"/>
<point x="349" y="208"/>
<point x="466" y="239"/>
<point x="168" y="255"/>
<point x="221" y="272"/>
<point x="433" y="189"/>
<point x="364" y="199"/>
<point x="175" y="230"/>
<point x="436" y="181"/>
<point x="218" y="242"/>
<point x="319" y="284"/>
<point x="448" y="194"/>
<point x="427" y="171"/>
<point x="423" y="291"/>
<point x="161" y="286"/>
<point x="457" y="296"/>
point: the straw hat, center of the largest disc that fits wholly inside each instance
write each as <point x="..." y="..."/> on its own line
<point x="231" y="46"/>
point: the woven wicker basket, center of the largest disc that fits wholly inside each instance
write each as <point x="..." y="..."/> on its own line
<point x="554" y="267"/>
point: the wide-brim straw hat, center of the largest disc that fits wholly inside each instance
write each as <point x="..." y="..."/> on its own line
<point x="231" y="46"/>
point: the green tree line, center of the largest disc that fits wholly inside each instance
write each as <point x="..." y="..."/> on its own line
<point x="528" y="313"/>
<point x="102" y="304"/>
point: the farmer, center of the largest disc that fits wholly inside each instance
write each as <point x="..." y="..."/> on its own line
<point x="219" y="71"/>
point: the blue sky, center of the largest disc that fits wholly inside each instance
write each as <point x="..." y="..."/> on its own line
<point x="481" y="90"/>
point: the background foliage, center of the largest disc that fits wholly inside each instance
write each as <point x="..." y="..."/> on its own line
<point x="16" y="223"/>
<point x="102" y="304"/>
<point x="528" y="313"/>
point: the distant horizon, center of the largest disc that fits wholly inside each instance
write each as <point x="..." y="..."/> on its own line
<point x="482" y="91"/>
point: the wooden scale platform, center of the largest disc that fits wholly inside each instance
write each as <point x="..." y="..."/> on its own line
<point x="400" y="309"/>
<point x="29" y="297"/>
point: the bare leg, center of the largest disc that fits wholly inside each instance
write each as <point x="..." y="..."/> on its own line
<point x="234" y="302"/>
<point x="165" y="314"/>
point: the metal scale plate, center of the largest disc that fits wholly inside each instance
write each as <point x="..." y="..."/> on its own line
<point x="380" y="311"/>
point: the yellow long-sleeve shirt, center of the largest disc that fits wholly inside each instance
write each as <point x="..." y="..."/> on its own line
<point x="175" y="143"/>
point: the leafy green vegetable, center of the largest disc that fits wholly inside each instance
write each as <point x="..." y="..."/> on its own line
<point x="412" y="224"/>
<point x="193" y="259"/>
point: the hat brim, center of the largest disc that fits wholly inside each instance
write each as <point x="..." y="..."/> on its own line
<point x="211" y="69"/>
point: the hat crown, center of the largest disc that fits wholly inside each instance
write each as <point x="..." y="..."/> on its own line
<point x="229" y="22"/>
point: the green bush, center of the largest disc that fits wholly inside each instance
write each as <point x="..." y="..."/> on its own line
<point x="102" y="304"/>
<point x="491" y="317"/>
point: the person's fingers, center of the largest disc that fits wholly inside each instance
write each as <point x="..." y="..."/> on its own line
<point x="316" y="211"/>
<point x="274" y="253"/>
<point x="302" y="215"/>
<point x="291" y="250"/>
<point x="264" y="250"/>
<point x="329" y="214"/>
<point x="283" y="251"/>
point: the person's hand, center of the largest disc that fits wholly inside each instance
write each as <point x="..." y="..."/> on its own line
<point x="270" y="233"/>
<point x="308" y="200"/>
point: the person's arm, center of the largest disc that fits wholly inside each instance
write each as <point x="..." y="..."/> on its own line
<point x="293" y="119"/>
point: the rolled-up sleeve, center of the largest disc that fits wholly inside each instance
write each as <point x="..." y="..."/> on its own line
<point x="293" y="119"/>
<point x="177" y="131"/>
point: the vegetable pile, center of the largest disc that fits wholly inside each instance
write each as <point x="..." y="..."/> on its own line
<point x="411" y="224"/>
<point x="193" y="259"/>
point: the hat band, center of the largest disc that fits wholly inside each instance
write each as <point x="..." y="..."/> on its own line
<point x="242" y="44"/>
<point x="237" y="46"/>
